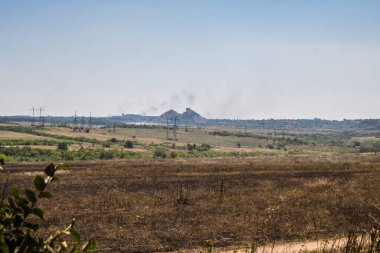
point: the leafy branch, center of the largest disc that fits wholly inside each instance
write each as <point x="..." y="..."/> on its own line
<point x="17" y="227"/>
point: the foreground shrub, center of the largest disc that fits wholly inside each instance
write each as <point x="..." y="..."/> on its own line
<point x="17" y="220"/>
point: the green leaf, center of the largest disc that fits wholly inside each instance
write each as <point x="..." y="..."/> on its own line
<point x="39" y="183"/>
<point x="25" y="208"/>
<point x="17" y="221"/>
<point x="12" y="203"/>
<point x="30" y="225"/>
<point x="74" y="249"/>
<point x="4" y="247"/>
<point x="38" y="212"/>
<point x="2" y="159"/>
<point x="89" y="245"/>
<point x="30" y="195"/>
<point x="21" y="202"/>
<point x="46" y="195"/>
<point x="75" y="235"/>
<point x="50" y="170"/>
<point x="15" y="192"/>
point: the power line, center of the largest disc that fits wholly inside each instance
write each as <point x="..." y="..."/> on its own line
<point x="40" y="118"/>
<point x="90" y="122"/>
<point x="33" y="109"/>
<point x="175" y="129"/>
<point x="75" y="121"/>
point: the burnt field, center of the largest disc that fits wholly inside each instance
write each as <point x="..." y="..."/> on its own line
<point x="171" y="204"/>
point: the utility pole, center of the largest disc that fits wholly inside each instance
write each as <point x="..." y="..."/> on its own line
<point x="40" y="119"/>
<point x="75" y="118"/>
<point x="75" y="121"/>
<point x="90" y="122"/>
<point x="175" y="129"/>
<point x="167" y="128"/>
<point x="32" y="109"/>
<point x="246" y="130"/>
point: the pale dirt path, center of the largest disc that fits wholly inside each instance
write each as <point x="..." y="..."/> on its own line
<point x="295" y="247"/>
<point x="291" y="247"/>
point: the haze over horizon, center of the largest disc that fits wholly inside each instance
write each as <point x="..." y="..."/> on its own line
<point x="224" y="59"/>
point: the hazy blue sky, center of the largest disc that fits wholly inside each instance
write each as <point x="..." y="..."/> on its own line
<point x="234" y="59"/>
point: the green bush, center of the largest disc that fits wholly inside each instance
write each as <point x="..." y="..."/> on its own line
<point x="203" y="147"/>
<point x="159" y="153"/>
<point x="63" y="146"/>
<point x="128" y="144"/>
<point x="36" y="154"/>
<point x="191" y="147"/>
<point x="18" y="227"/>
<point x="173" y="154"/>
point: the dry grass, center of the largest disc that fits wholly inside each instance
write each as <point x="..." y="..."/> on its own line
<point x="95" y="133"/>
<point x="158" y="135"/>
<point x="8" y="135"/>
<point x="160" y="205"/>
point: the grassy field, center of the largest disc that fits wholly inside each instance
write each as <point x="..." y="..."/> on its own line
<point x="227" y="185"/>
<point x="165" y="204"/>
<point x="158" y="135"/>
<point x="110" y="143"/>
<point x="9" y="135"/>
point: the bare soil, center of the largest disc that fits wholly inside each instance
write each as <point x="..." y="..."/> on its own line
<point x="171" y="204"/>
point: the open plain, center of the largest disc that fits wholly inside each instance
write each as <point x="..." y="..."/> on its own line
<point x="172" y="204"/>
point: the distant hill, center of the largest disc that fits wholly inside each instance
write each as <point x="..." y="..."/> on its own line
<point x="169" y="115"/>
<point x="193" y="116"/>
<point x="188" y="117"/>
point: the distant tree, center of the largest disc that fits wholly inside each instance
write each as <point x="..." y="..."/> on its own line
<point x="63" y="146"/>
<point x="376" y="147"/>
<point x="203" y="147"/>
<point x="128" y="144"/>
<point x="173" y="154"/>
<point x="238" y="145"/>
<point x="106" y="145"/>
<point x="159" y="153"/>
<point x="191" y="147"/>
